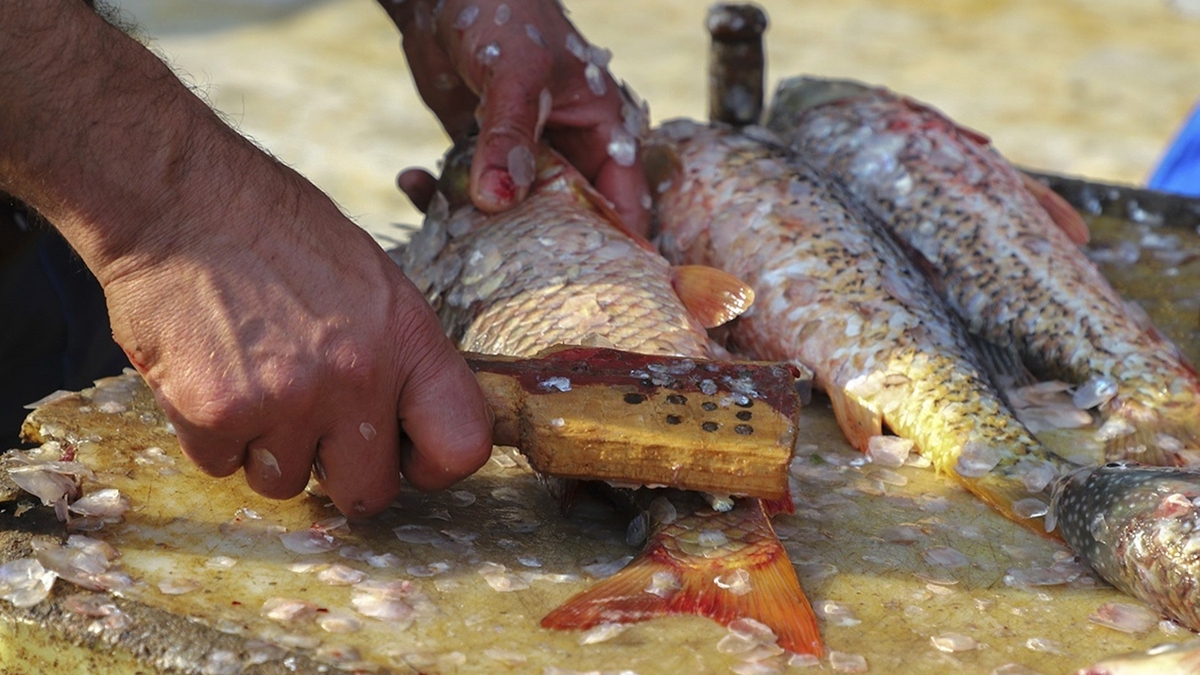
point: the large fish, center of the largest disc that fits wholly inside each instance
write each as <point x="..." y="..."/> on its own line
<point x="1003" y="251"/>
<point x="836" y="294"/>
<point x="560" y="269"/>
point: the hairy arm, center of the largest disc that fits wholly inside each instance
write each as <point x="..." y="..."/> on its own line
<point x="275" y="333"/>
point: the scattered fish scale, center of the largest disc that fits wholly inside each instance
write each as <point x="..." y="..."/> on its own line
<point x="1000" y="246"/>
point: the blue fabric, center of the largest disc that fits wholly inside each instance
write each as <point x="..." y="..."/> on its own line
<point x="1179" y="169"/>
<point x="54" y="331"/>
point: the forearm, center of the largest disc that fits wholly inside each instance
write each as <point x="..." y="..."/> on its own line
<point x="99" y="135"/>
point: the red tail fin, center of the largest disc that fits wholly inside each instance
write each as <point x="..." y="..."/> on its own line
<point x="754" y="579"/>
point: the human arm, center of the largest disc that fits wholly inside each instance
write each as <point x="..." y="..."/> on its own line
<point x="274" y="332"/>
<point x="526" y="73"/>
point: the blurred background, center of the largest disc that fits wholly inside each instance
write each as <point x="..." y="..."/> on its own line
<point x="1094" y="88"/>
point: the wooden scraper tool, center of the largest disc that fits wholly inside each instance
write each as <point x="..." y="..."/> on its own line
<point x="635" y="419"/>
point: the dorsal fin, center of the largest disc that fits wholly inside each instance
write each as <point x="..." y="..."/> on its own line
<point x="711" y="295"/>
<point x="1061" y="212"/>
<point x="552" y="166"/>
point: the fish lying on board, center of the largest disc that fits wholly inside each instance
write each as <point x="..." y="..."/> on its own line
<point x="560" y="269"/>
<point x="1002" y="250"/>
<point x="836" y="294"/>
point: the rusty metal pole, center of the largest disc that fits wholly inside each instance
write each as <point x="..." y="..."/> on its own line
<point x="737" y="64"/>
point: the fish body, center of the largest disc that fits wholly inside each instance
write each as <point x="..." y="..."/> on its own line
<point x="1139" y="528"/>
<point x="835" y="294"/>
<point x="558" y="269"/>
<point x="1003" y="252"/>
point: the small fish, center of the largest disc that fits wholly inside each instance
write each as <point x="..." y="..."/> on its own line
<point x="1003" y="251"/>
<point x="835" y="294"/>
<point x="559" y="268"/>
<point x="1139" y="528"/>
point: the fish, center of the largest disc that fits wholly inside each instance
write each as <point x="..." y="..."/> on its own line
<point x="1004" y="252"/>
<point x="560" y="268"/>
<point x="836" y="294"/>
<point x="1139" y="528"/>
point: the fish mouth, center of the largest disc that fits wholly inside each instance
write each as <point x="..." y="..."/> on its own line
<point x="795" y="94"/>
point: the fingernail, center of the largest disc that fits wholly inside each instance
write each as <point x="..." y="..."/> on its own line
<point x="496" y="186"/>
<point x="268" y="465"/>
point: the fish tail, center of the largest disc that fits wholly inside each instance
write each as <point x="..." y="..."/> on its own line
<point x="1013" y="500"/>
<point x="758" y="583"/>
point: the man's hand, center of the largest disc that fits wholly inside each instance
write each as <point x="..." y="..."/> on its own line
<point x="519" y="71"/>
<point x="276" y="335"/>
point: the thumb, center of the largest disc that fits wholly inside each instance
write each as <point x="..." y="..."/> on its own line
<point x="446" y="422"/>
<point x="504" y="165"/>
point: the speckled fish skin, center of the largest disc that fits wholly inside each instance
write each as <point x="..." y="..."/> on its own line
<point x="554" y="270"/>
<point x="835" y="294"/>
<point x="1139" y="528"/>
<point x="1002" y="264"/>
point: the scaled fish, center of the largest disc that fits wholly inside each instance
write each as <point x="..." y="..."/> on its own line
<point x="836" y="294"/>
<point x="1003" y="252"/>
<point x="560" y="269"/>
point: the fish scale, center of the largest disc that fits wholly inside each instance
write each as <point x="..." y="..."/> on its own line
<point x="999" y="252"/>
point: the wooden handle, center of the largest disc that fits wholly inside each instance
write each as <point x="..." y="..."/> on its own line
<point x="604" y="414"/>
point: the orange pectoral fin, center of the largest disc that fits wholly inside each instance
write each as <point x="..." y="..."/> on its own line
<point x="858" y="423"/>
<point x="1062" y="213"/>
<point x="653" y="585"/>
<point x="712" y="296"/>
